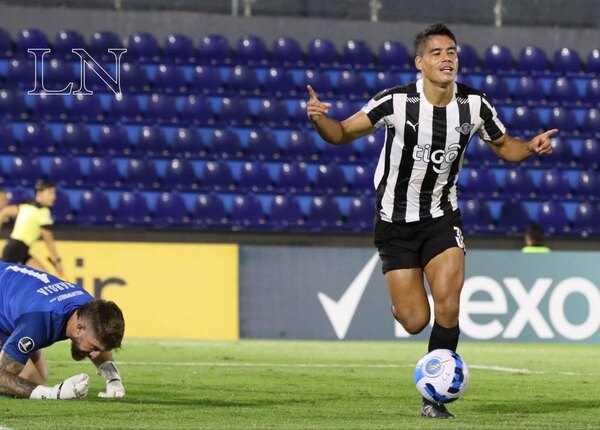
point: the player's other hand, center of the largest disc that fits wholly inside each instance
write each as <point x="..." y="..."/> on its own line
<point x="542" y="143"/>
<point x="113" y="389"/>
<point x="315" y="109"/>
<point x="75" y="387"/>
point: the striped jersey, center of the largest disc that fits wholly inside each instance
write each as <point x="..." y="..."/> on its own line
<point x="417" y="173"/>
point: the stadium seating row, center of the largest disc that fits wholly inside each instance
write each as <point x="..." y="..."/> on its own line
<point x="216" y="48"/>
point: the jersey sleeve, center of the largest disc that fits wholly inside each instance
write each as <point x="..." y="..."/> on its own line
<point x="491" y="127"/>
<point x="29" y="335"/>
<point x="379" y="109"/>
<point x="45" y="217"/>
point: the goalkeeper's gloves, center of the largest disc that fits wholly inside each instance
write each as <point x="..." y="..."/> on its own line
<point x="75" y="387"/>
<point x="114" y="386"/>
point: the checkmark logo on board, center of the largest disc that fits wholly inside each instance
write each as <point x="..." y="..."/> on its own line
<point x="341" y="312"/>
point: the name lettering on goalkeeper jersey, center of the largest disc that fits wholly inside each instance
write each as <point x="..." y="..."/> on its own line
<point x="55" y="288"/>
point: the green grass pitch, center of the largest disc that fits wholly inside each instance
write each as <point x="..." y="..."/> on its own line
<point x="319" y="385"/>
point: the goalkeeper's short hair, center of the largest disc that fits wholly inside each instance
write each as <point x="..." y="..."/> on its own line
<point x="106" y="321"/>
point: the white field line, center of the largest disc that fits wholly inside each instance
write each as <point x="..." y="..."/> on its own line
<point x="324" y="365"/>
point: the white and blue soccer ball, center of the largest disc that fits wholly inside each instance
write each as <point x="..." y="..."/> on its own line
<point x="441" y="376"/>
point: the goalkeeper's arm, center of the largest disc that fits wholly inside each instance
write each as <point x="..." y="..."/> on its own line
<point x="108" y="370"/>
<point x="11" y="384"/>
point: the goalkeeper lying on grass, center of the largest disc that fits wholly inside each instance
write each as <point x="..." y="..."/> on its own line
<point x="37" y="310"/>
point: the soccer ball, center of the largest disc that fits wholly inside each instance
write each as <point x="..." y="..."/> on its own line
<point x="442" y="376"/>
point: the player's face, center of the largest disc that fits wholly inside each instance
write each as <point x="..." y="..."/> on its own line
<point x="438" y="62"/>
<point x="85" y="345"/>
<point x="46" y="197"/>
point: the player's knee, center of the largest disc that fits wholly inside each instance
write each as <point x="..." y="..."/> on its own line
<point x="411" y="325"/>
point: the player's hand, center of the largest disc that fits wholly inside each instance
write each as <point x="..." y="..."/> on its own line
<point x="315" y="109"/>
<point x="113" y="389"/>
<point x="542" y="143"/>
<point x="75" y="387"/>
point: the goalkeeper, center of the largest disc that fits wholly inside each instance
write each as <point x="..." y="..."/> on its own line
<point x="37" y="310"/>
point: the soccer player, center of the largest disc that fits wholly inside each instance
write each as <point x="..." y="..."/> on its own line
<point x="37" y="310"/>
<point x="418" y="228"/>
<point x="32" y="220"/>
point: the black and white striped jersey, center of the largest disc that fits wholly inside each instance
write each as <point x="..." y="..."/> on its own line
<point x="417" y="173"/>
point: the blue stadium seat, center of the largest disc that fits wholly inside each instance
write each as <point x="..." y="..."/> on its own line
<point x="113" y="140"/>
<point x="179" y="48"/>
<point x="217" y="176"/>
<point x="132" y="209"/>
<point x="20" y="74"/>
<point x="563" y="119"/>
<point x="225" y="144"/>
<point x="170" y="211"/>
<point x="292" y="178"/>
<point x="243" y="80"/>
<point x="330" y="179"/>
<point x="142" y="46"/>
<point x="125" y="108"/>
<point x="298" y="115"/>
<point x="102" y="41"/>
<point x="285" y="213"/>
<point x="12" y="105"/>
<point x="247" y="213"/>
<point x="8" y="142"/>
<point x="593" y="61"/>
<point x="566" y="60"/>
<point x="85" y="108"/>
<point x="321" y="52"/>
<point x="273" y="113"/>
<point x="554" y="184"/>
<point x="49" y="107"/>
<point x="262" y="145"/>
<point x="134" y="78"/>
<point x="362" y="179"/>
<point x="151" y="141"/>
<point x="187" y="142"/>
<point x="251" y="50"/>
<point x="533" y="59"/>
<point x="141" y="173"/>
<point x="196" y="110"/>
<point x="301" y="146"/>
<point x="65" y="171"/>
<point x="592" y="92"/>
<point x="209" y="212"/>
<point x="254" y="177"/>
<point x="526" y="120"/>
<point x="394" y="54"/>
<point x="346" y="153"/>
<point x="480" y="183"/>
<point x="498" y="59"/>
<point x="495" y="88"/>
<point x="342" y="109"/>
<point x="6" y="44"/>
<point x="279" y="82"/>
<point x="352" y="83"/>
<point x="356" y="53"/>
<point x="588" y="186"/>
<point x="564" y="92"/>
<point x="234" y="111"/>
<point x="18" y="195"/>
<point x="58" y="74"/>
<point x="76" y="139"/>
<point x="180" y="175"/>
<point x="477" y="217"/>
<point x="161" y="109"/>
<point x="319" y="80"/>
<point x="468" y="59"/>
<point x="590" y="125"/>
<point x="589" y="157"/>
<point x="94" y="208"/>
<point x="324" y="214"/>
<point x="552" y="216"/>
<point x="370" y="147"/>
<point x="513" y="217"/>
<point x="207" y="79"/>
<point x="528" y="90"/>
<point x="62" y="210"/>
<point x="214" y="49"/>
<point x="37" y="138"/>
<point x="286" y="51"/>
<point x="103" y="172"/>
<point x="480" y="153"/>
<point x="31" y="38"/>
<point x="361" y="214"/>
<point x="169" y="78"/>
<point x="587" y="220"/>
<point x="24" y="171"/>
<point x="518" y="183"/>
<point x="384" y="80"/>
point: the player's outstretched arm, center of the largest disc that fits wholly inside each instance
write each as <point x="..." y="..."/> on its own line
<point x="11" y="384"/>
<point x="108" y="370"/>
<point x="334" y="131"/>
<point x="514" y="149"/>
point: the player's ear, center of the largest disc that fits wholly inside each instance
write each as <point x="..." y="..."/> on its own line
<point x="418" y="62"/>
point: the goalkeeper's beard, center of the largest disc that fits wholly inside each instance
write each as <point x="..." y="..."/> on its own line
<point x="76" y="353"/>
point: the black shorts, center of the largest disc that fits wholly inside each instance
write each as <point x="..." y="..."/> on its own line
<point x="15" y="251"/>
<point x="414" y="244"/>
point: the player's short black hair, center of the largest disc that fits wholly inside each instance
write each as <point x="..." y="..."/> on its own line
<point x="106" y="320"/>
<point x="535" y="233"/>
<point x="437" y="29"/>
<point x="43" y="184"/>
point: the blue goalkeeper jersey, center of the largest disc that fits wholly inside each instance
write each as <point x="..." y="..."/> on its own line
<point x="34" y="309"/>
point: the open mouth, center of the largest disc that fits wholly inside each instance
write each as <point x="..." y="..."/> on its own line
<point x="448" y="69"/>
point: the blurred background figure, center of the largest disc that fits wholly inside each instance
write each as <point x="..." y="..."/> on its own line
<point x="534" y="240"/>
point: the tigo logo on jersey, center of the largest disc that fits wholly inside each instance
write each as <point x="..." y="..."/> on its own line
<point x="26" y="344"/>
<point x="442" y="157"/>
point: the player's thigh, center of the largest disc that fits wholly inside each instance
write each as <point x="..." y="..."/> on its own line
<point x="446" y="275"/>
